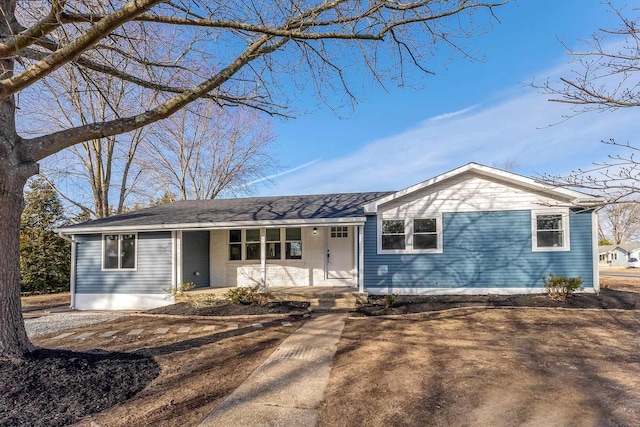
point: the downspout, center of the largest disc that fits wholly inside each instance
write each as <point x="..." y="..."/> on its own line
<point x="72" y="278"/>
<point x="594" y="243"/>
<point x="263" y="260"/>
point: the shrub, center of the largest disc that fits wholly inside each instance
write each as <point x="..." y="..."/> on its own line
<point x="390" y="300"/>
<point x="182" y="287"/>
<point x="242" y="295"/>
<point x="560" y="287"/>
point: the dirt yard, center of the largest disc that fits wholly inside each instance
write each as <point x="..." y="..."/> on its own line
<point x="447" y="366"/>
<point x="488" y="367"/>
<point x="196" y="370"/>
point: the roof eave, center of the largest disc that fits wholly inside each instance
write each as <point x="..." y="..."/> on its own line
<point x="212" y="225"/>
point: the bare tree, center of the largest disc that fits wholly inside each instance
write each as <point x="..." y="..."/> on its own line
<point x="233" y="53"/>
<point x="105" y="166"/>
<point x="620" y="223"/>
<point x="204" y="151"/>
<point x="606" y="78"/>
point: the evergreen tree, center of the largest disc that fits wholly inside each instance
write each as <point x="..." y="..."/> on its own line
<point x="45" y="258"/>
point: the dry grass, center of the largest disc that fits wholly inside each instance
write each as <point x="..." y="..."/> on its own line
<point x="631" y="284"/>
<point x="198" y="369"/>
<point x="45" y="301"/>
<point x="479" y="367"/>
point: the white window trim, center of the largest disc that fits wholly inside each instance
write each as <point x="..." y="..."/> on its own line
<point x="263" y="233"/>
<point x="135" y="259"/>
<point x="283" y="252"/>
<point x="408" y="235"/>
<point x="565" y="230"/>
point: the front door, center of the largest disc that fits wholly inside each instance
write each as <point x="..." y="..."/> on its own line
<point x="340" y="263"/>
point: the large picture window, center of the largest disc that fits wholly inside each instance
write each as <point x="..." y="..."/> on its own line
<point x="245" y="244"/>
<point x="119" y="252"/>
<point x="550" y="231"/>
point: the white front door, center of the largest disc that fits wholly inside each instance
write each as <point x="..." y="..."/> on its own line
<point x="340" y="263"/>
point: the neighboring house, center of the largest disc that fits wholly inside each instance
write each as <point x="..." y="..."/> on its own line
<point x="618" y="255"/>
<point x="473" y="230"/>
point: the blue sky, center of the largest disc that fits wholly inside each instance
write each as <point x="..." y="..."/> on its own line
<point x="470" y="111"/>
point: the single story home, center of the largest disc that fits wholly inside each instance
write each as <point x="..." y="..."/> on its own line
<point x="472" y="230"/>
<point x="618" y="255"/>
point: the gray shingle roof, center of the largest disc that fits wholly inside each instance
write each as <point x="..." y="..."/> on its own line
<point x="241" y="210"/>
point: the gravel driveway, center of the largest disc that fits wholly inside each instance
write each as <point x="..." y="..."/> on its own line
<point x="61" y="321"/>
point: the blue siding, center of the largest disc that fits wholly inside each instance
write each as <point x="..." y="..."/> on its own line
<point x="195" y="257"/>
<point x="152" y="275"/>
<point x="481" y="250"/>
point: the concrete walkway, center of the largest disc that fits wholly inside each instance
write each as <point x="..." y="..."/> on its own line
<point x="287" y="389"/>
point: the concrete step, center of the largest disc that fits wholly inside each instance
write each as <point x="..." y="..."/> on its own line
<point x="348" y="299"/>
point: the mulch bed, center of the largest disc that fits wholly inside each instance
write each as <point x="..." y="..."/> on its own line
<point x="224" y="308"/>
<point x="607" y="299"/>
<point x="58" y="388"/>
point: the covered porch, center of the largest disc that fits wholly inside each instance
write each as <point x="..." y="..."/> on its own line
<point x="279" y="255"/>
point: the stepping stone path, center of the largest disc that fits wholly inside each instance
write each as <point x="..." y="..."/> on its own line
<point x="84" y="335"/>
<point x="66" y="334"/>
<point x="163" y="330"/>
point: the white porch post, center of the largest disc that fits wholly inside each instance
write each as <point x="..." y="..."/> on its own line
<point x="360" y="258"/>
<point x="263" y="259"/>
<point x="178" y="259"/>
<point x="72" y="281"/>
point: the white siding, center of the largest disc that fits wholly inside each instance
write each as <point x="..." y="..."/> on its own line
<point x="309" y="271"/>
<point x="468" y="192"/>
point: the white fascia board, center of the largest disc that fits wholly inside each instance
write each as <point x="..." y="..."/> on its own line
<point x="571" y="196"/>
<point x="326" y="222"/>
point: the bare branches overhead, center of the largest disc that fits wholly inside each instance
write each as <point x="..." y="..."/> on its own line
<point x="607" y="72"/>
<point x="237" y="55"/>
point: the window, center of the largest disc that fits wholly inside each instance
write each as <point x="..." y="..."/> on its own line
<point x="339" y="232"/>
<point x="393" y="236"/>
<point x="245" y="244"/>
<point x="273" y="243"/>
<point x="550" y="231"/>
<point x="422" y="235"/>
<point x="253" y="244"/>
<point x="293" y="243"/>
<point x="119" y="252"/>
<point x="235" y="245"/>
<point x="425" y="233"/>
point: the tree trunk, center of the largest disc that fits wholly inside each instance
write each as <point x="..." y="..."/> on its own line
<point x="15" y="169"/>
<point x="14" y="343"/>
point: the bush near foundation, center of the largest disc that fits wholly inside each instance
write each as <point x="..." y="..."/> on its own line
<point x="560" y="287"/>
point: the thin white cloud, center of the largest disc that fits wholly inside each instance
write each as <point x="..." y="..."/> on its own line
<point x="452" y="114"/>
<point x="279" y="174"/>
<point x="521" y="125"/>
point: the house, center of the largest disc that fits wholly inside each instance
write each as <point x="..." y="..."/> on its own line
<point x="472" y="230"/>
<point x="617" y="255"/>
